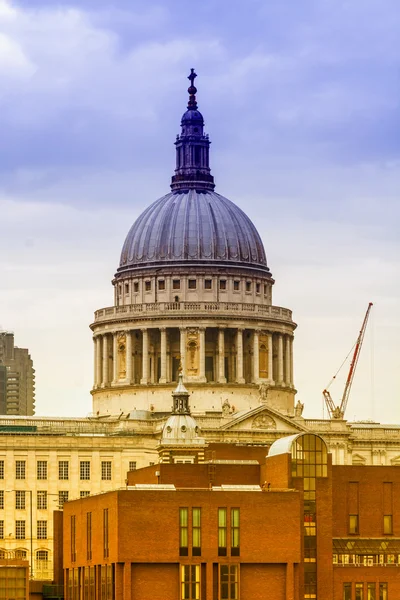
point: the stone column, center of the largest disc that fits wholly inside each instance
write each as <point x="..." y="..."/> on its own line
<point x="221" y="355"/>
<point x="97" y="381"/>
<point x="145" y="357"/>
<point x="163" y="374"/>
<point x="183" y="350"/>
<point x="256" y="357"/>
<point x="287" y="362"/>
<point x="239" y="356"/>
<point x="202" y="355"/>
<point x="105" y="361"/>
<point x="280" y="359"/>
<point x="270" y="359"/>
<point x="291" y="363"/>
<point x="115" y="357"/>
<point x="129" y="357"/>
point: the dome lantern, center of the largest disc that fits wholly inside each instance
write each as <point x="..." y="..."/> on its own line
<point x="192" y="149"/>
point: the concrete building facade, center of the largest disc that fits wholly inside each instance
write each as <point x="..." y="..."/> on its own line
<point x="17" y="377"/>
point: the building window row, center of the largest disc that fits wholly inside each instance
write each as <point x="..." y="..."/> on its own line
<point x="192" y="284"/>
<point x="367" y="560"/>
<point x="387" y="524"/>
<point x="223" y="529"/>
<point x="190" y="531"/>
<point x="228" y="584"/>
<point x="63" y="470"/>
<point x="365" y="591"/>
<point x="91" y="581"/>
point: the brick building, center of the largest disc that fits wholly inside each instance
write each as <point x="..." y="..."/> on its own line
<point x="290" y="526"/>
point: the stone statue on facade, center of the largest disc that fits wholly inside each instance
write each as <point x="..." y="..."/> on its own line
<point x="226" y="408"/>
<point x="263" y="392"/>
<point x="298" y="409"/>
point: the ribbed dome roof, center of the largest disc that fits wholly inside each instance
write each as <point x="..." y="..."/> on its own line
<point x="193" y="227"/>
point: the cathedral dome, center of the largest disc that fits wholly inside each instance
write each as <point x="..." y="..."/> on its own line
<point x="193" y="227"/>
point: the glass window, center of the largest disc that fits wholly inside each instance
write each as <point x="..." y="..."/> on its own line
<point x="359" y="591"/>
<point x="183" y="531"/>
<point x="222" y="531"/>
<point x="387" y="524"/>
<point x="84" y="493"/>
<point x="161" y="284"/>
<point x="19" y="530"/>
<point x="20" y="500"/>
<point x="176" y="284"/>
<point x="62" y="497"/>
<point x="383" y="591"/>
<point x="105" y="533"/>
<point x="41" y="469"/>
<point x="1" y="499"/>
<point x="236" y="286"/>
<point x="222" y="284"/>
<point x="208" y="284"/>
<point x="371" y="589"/>
<point x="190" y="582"/>
<point x="85" y="470"/>
<point x="248" y="286"/>
<point x="265" y="289"/>
<point x="89" y="535"/>
<point x="235" y="541"/>
<point x="2" y="529"/>
<point x="1" y="469"/>
<point x="147" y="286"/>
<point x="258" y="288"/>
<point x="192" y="284"/>
<point x="353" y="524"/>
<point x="127" y="288"/>
<point x="41" y="500"/>
<point x="132" y="465"/>
<point x="136" y="287"/>
<point x="42" y="556"/>
<point x="196" y="532"/>
<point x="229" y="582"/>
<point x="73" y="538"/>
<point x="20" y="466"/>
<point x="63" y="469"/>
<point x="42" y="530"/>
<point x="106" y="470"/>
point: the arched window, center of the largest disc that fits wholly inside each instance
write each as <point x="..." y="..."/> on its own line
<point x="3" y="553"/>
<point x="21" y="554"/>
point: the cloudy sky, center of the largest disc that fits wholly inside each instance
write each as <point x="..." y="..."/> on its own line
<point x="302" y="103"/>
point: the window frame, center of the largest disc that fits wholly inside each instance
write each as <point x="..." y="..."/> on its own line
<point x="20" y="469"/>
<point x="20" y="500"/>
<point x="84" y="470"/>
<point x="183" y="531"/>
<point x="63" y="470"/>
<point x="190" y="582"/>
<point x="106" y="470"/>
<point x="196" y="531"/>
<point x="42" y="503"/>
<point x="41" y="470"/>
<point x="41" y="529"/>
<point x="20" y="529"/>
<point x="222" y="531"/>
<point x="232" y="570"/>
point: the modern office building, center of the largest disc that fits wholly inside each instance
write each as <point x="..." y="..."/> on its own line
<point x="18" y="375"/>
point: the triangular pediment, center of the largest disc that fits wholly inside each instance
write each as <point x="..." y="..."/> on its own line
<point x="263" y="418"/>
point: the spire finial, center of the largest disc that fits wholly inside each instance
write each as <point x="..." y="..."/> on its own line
<point x="192" y="104"/>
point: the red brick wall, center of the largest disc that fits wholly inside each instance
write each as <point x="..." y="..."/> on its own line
<point x="259" y="582"/>
<point x="155" y="581"/>
<point x="197" y="475"/>
<point x="370" y="486"/>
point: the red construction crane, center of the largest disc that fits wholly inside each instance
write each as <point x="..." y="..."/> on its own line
<point x="338" y="412"/>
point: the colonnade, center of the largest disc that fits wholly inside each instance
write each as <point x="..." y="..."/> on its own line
<point x="221" y="354"/>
